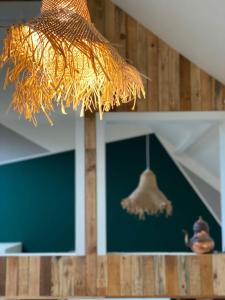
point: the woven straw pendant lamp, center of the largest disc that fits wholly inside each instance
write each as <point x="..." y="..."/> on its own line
<point x="59" y="58"/>
<point x="147" y="199"/>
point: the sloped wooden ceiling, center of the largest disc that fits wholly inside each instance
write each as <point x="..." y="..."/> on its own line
<point x="176" y="85"/>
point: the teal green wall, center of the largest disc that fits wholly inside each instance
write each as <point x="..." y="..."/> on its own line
<point x="125" y="162"/>
<point x="37" y="203"/>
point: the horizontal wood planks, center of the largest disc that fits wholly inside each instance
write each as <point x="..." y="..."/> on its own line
<point x="182" y="276"/>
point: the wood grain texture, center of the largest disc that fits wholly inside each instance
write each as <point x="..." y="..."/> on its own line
<point x="184" y="276"/>
<point x="90" y="198"/>
<point x="176" y="84"/>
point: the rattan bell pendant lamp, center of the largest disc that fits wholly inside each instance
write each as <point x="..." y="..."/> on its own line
<point x="147" y="199"/>
<point x="59" y="58"/>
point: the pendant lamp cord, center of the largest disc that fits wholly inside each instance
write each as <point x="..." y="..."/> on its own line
<point x="148" y="165"/>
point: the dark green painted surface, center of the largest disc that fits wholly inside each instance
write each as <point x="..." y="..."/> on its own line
<point x="125" y="162"/>
<point x="37" y="203"/>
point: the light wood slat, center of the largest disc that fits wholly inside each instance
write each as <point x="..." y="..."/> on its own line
<point x="114" y="279"/>
<point x="125" y="275"/>
<point x="206" y="275"/>
<point x="149" y="276"/>
<point x="2" y="276"/>
<point x="218" y="275"/>
<point x="97" y="10"/>
<point x="120" y="31"/>
<point x="164" y="89"/>
<point x="218" y="95"/>
<point x="110" y="31"/>
<point x="102" y="276"/>
<point x="34" y="275"/>
<point x="137" y="276"/>
<point x="80" y="276"/>
<point x="45" y="276"/>
<point x="160" y="275"/>
<point x="12" y="267"/>
<point x="185" y="84"/>
<point x="174" y="79"/>
<point x="23" y="276"/>
<point x="142" y="52"/>
<point x="152" y="96"/>
<point x="195" y="88"/>
<point x="131" y="51"/>
<point x="183" y="279"/>
<point x="206" y="92"/>
<point x="171" y="275"/>
<point x="193" y="270"/>
<point x="90" y="198"/>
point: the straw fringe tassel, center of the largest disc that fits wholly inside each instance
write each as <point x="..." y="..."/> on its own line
<point x="48" y="70"/>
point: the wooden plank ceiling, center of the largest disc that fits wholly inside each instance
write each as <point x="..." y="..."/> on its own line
<point x="176" y="85"/>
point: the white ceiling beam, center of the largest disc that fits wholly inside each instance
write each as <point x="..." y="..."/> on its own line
<point x="196" y="137"/>
<point x="189" y="179"/>
<point x="193" y="166"/>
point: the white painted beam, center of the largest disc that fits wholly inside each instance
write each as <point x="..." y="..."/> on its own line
<point x="222" y="176"/>
<point x="101" y="188"/>
<point x="196" y="138"/>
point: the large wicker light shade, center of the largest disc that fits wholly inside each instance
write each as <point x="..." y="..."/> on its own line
<point x="147" y="199"/>
<point x="60" y="58"/>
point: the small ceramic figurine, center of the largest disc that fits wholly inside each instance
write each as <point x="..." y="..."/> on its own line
<point x="201" y="242"/>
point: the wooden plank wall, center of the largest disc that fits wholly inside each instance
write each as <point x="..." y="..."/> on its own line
<point x="176" y="85"/>
<point x="117" y="276"/>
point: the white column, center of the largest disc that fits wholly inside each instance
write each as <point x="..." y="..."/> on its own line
<point x="222" y="180"/>
<point x="80" y="185"/>
<point x="101" y="187"/>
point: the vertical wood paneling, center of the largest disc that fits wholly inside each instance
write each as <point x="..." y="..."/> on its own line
<point x="171" y="275"/>
<point x="23" y="276"/>
<point x="206" y="92"/>
<point x="206" y="275"/>
<point x="193" y="271"/>
<point x="12" y="276"/>
<point x="131" y="50"/>
<point x="183" y="279"/>
<point x="102" y="276"/>
<point x="164" y="100"/>
<point x="185" y="84"/>
<point x="137" y="277"/>
<point x="195" y="88"/>
<point x="120" y="31"/>
<point x="45" y="276"/>
<point x="97" y="10"/>
<point x="109" y="27"/>
<point x="174" y="80"/>
<point x="141" y="64"/>
<point x="114" y="276"/>
<point x="125" y="275"/>
<point x="160" y="275"/>
<point x="90" y="196"/>
<point x="218" y="95"/>
<point x="80" y="277"/>
<point x="2" y="276"/>
<point x="149" y="276"/>
<point x="34" y="275"/>
<point x="152" y="96"/>
<point x="218" y="275"/>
